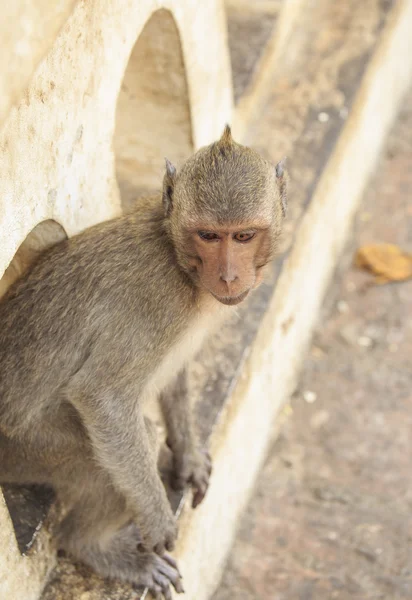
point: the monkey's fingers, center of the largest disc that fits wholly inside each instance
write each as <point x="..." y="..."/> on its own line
<point x="208" y="462"/>
<point x="159" y="549"/>
<point x="163" y="582"/>
<point x="199" y="491"/>
<point x="165" y="574"/>
<point x="168" y="544"/>
<point x="169" y="559"/>
<point x="177" y="483"/>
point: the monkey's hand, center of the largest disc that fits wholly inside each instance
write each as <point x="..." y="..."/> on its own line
<point x="160" y="532"/>
<point x="191" y="467"/>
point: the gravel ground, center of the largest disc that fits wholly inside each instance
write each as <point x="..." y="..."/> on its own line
<point x="331" y="513"/>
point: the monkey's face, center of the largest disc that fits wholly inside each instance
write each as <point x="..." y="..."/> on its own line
<point x="228" y="261"/>
<point x="224" y="212"/>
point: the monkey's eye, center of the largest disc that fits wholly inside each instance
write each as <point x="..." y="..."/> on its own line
<point x="209" y="236"/>
<point x="244" y="236"/>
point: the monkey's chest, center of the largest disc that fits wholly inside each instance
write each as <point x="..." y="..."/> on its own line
<point x="182" y="351"/>
<point x="177" y="357"/>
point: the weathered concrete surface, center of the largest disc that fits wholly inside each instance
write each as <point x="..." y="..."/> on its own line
<point x="330" y="517"/>
<point x="253" y="21"/>
<point x="265" y="373"/>
<point x="250" y="29"/>
<point x="28" y="30"/>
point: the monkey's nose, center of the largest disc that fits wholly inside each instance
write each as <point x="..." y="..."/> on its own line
<point x="228" y="277"/>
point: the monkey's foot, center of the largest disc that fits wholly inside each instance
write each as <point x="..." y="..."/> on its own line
<point x="192" y="468"/>
<point x="158" y="573"/>
<point x="149" y="570"/>
<point x="122" y="560"/>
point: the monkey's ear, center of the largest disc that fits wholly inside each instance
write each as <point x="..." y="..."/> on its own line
<point x="226" y="138"/>
<point x="282" y="181"/>
<point x="169" y="180"/>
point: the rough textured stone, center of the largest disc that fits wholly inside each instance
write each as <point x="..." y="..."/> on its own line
<point x="249" y="31"/>
<point x="28" y="30"/>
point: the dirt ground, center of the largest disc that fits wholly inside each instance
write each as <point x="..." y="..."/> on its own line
<point x="331" y="516"/>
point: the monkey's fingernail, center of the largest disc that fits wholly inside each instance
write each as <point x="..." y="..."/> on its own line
<point x="179" y="588"/>
<point x="197" y="499"/>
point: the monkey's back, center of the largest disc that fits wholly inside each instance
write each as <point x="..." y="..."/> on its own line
<point x="97" y="292"/>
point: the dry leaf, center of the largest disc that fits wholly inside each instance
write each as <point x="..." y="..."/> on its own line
<point x="387" y="261"/>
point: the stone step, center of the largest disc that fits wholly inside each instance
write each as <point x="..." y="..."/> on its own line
<point x="323" y="105"/>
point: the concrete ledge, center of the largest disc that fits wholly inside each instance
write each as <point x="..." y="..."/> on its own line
<point x="259" y="87"/>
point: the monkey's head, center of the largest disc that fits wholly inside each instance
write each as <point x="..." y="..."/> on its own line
<point x="224" y="213"/>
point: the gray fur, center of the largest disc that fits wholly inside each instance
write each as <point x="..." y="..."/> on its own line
<point x="81" y="336"/>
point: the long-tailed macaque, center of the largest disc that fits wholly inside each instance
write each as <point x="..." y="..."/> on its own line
<point x="108" y="319"/>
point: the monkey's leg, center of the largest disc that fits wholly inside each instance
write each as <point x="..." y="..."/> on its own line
<point x="98" y="531"/>
<point x="18" y="464"/>
<point x="190" y="464"/>
<point x="121" y="444"/>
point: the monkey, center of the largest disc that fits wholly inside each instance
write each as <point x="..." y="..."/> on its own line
<point x="105" y="322"/>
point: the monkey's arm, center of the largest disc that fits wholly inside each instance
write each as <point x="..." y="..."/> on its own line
<point x="122" y="446"/>
<point x="190" y="464"/>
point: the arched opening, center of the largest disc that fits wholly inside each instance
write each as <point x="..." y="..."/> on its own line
<point x="28" y="505"/>
<point x="43" y="236"/>
<point x="153" y="111"/>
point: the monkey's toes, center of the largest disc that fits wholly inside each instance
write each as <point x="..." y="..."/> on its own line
<point x="162" y="573"/>
<point x="200" y="479"/>
<point x="198" y="495"/>
<point x="193" y="469"/>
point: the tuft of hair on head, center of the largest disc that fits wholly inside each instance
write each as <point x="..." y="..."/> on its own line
<point x="226" y="139"/>
<point x="225" y="144"/>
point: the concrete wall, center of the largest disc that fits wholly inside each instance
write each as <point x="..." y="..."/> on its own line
<point x="93" y="95"/>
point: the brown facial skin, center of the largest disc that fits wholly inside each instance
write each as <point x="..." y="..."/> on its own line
<point x="229" y="260"/>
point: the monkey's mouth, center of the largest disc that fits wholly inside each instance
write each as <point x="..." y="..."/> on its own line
<point x="231" y="300"/>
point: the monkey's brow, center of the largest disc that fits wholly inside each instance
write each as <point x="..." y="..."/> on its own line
<point x="229" y="228"/>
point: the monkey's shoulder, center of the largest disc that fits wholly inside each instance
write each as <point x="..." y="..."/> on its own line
<point x="117" y="263"/>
